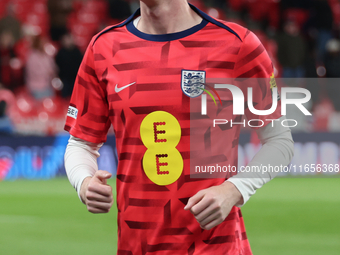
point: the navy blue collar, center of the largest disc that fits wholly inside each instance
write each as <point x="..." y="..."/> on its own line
<point x="165" y="37"/>
<point x="169" y="37"/>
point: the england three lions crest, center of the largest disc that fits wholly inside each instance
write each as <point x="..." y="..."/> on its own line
<point x="193" y="82"/>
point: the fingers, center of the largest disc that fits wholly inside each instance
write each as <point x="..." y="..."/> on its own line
<point x="102" y="176"/>
<point x="205" y="214"/>
<point x="209" y="214"/>
<point x="212" y="224"/>
<point x="211" y="206"/>
<point x="98" y="194"/>
<point x="96" y="202"/>
<point x="203" y="204"/>
<point x="194" y="200"/>
<point x="212" y="215"/>
<point x="98" y="207"/>
<point x="93" y="196"/>
<point x="99" y="188"/>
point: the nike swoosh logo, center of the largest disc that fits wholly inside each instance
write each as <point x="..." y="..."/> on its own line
<point x="124" y="87"/>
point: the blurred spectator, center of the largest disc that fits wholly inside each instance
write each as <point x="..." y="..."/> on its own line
<point x="40" y="70"/>
<point x="10" y="65"/>
<point x="119" y="10"/>
<point x="291" y="51"/>
<point x="300" y="49"/>
<point x="5" y="122"/>
<point x="10" y="23"/>
<point x="332" y="64"/>
<point x="59" y="11"/>
<point x="68" y="61"/>
<point x="322" y="20"/>
<point x="323" y="111"/>
<point x="332" y="58"/>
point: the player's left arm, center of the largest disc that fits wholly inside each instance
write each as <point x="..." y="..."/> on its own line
<point x="211" y="206"/>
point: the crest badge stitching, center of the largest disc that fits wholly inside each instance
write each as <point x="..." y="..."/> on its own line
<point x="192" y="82"/>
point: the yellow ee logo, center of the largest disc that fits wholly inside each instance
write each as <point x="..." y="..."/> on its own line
<point x="160" y="132"/>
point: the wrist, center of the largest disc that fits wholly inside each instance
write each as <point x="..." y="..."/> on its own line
<point x="83" y="189"/>
<point x="235" y="193"/>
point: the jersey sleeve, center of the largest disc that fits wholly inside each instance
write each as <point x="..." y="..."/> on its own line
<point x="88" y="113"/>
<point x="254" y="69"/>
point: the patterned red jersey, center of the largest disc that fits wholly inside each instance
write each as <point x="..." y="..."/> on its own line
<point x="134" y="81"/>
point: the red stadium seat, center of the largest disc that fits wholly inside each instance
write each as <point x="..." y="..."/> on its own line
<point x="55" y="106"/>
<point x="28" y="113"/>
<point x="84" y="22"/>
<point x="264" y="9"/>
<point x="26" y="104"/>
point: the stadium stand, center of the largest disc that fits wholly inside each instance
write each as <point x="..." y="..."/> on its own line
<point x="264" y="17"/>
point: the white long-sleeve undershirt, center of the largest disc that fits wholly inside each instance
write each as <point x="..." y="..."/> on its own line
<point x="80" y="161"/>
<point x="277" y="150"/>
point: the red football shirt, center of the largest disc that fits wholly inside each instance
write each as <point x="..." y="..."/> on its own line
<point x="134" y="81"/>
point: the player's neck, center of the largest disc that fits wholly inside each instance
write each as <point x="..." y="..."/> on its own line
<point x="165" y="17"/>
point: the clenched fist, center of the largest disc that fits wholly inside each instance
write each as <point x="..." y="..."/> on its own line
<point x="211" y="206"/>
<point x="96" y="193"/>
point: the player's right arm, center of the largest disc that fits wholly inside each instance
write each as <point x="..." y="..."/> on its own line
<point x="88" y="122"/>
<point x="82" y="172"/>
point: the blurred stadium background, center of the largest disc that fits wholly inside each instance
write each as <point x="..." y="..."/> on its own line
<point x="41" y="46"/>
